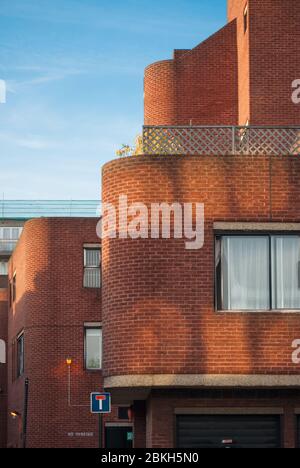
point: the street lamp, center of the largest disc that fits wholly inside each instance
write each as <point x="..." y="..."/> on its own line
<point x="15" y="414"/>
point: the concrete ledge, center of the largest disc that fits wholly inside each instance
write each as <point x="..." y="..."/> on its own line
<point x="232" y="226"/>
<point x="202" y="381"/>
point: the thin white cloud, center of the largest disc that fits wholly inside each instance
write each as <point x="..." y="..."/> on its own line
<point x="32" y="143"/>
<point x="15" y="86"/>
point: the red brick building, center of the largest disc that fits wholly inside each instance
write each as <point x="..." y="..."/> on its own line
<point x="54" y="336"/>
<point x="10" y="231"/>
<point x="202" y="344"/>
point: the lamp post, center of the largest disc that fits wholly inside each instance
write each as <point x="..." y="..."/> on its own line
<point x="16" y="415"/>
<point x="23" y="420"/>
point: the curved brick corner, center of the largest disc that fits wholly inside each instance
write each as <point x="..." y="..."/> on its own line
<point x="160" y="93"/>
<point x="158" y="298"/>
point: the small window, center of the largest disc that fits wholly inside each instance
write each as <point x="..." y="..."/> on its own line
<point x="92" y="268"/>
<point x="3" y="268"/>
<point x="20" y="355"/>
<point x="259" y="272"/>
<point x="2" y="352"/>
<point x="123" y="413"/>
<point x="93" y="348"/>
<point x="246" y="19"/>
<point x="14" y="289"/>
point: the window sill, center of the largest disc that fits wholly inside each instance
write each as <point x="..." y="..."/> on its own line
<point x="262" y="311"/>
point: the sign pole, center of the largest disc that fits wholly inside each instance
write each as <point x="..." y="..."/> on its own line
<point x="100" y="404"/>
<point x="100" y="430"/>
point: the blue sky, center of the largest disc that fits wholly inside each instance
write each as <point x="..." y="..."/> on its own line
<point x="74" y="72"/>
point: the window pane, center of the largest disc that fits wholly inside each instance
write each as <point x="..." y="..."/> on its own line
<point x="15" y="233"/>
<point x="245" y="273"/>
<point x="92" y="257"/>
<point x="3" y="268"/>
<point x="286" y="272"/>
<point x="92" y="278"/>
<point x="20" y="355"/>
<point x="6" y="234"/>
<point x="93" y="340"/>
<point x="123" y="412"/>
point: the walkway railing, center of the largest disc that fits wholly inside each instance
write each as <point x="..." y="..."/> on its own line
<point x="221" y="140"/>
<point x="27" y="209"/>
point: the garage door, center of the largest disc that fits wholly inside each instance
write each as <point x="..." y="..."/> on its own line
<point x="228" y="431"/>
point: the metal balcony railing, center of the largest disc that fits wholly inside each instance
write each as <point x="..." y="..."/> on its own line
<point x="27" y="209"/>
<point x="221" y="140"/>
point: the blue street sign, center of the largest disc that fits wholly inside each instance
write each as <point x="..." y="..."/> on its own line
<point x="100" y="403"/>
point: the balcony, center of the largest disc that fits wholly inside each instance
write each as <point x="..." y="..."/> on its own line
<point x="221" y="140"/>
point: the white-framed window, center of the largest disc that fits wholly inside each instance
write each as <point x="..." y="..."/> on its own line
<point x="9" y="237"/>
<point x="2" y="352"/>
<point x="93" y="348"/>
<point x="3" y="268"/>
<point x="20" y="355"/>
<point x="92" y="267"/>
<point x="258" y="272"/>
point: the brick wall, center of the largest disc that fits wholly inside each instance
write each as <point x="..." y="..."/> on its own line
<point x="274" y="64"/>
<point x="235" y="76"/>
<point x="51" y="307"/>
<point x="160" y="94"/>
<point x="158" y="298"/>
<point x="198" y="86"/>
<point x="236" y="10"/>
<point x="3" y="369"/>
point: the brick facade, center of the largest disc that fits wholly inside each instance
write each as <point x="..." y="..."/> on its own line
<point x="51" y="307"/>
<point x="198" y="86"/>
<point x="166" y="347"/>
<point x="236" y="76"/>
<point x="166" y="293"/>
<point x="174" y="330"/>
<point x="159" y="298"/>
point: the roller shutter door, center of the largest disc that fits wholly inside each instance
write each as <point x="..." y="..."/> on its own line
<point x="195" y="431"/>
